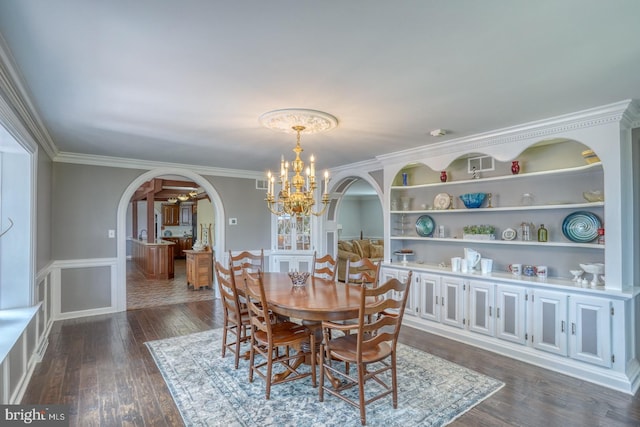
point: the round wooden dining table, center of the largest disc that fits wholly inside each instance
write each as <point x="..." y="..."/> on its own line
<point x="318" y="299"/>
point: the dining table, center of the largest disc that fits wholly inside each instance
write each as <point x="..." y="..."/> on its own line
<point x="317" y="300"/>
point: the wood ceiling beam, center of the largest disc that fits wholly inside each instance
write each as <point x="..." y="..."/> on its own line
<point x="156" y="187"/>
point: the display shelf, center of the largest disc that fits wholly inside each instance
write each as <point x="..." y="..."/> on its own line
<point x="503" y="242"/>
<point x="554" y="172"/>
<point x="505" y="208"/>
<point x="402" y="224"/>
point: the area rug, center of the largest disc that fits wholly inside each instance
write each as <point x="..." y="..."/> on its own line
<point x="210" y="392"/>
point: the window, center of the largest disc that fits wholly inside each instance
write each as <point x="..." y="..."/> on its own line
<point x="15" y="212"/>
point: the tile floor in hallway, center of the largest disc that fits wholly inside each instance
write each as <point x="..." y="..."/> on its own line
<point x="143" y="293"/>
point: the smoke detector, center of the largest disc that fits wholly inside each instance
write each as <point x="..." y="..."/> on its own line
<point x="438" y="132"/>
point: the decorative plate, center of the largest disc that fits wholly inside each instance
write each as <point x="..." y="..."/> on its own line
<point x="425" y="226"/>
<point x="509" y="234"/>
<point x="581" y="226"/>
<point x="442" y="201"/>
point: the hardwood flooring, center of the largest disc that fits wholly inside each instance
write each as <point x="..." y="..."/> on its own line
<point x="100" y="367"/>
<point x="144" y="293"/>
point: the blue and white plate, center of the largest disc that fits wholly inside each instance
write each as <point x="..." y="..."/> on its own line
<point x="581" y="227"/>
<point x="425" y="226"/>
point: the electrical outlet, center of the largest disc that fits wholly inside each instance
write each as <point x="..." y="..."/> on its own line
<point x="112" y="234"/>
<point x="233" y="221"/>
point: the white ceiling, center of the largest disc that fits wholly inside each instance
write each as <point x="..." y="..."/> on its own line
<point x="185" y="81"/>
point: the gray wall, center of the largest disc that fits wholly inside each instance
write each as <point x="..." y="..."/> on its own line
<point x="243" y="201"/>
<point x="360" y="214"/>
<point x="85" y="203"/>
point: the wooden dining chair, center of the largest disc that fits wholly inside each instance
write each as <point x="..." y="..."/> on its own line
<point x="236" y="316"/>
<point x="246" y="260"/>
<point x="362" y="271"/>
<point x="372" y="348"/>
<point x="324" y="267"/>
<point x="274" y="342"/>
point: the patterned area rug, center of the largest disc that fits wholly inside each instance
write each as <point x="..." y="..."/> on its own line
<point x="210" y="392"/>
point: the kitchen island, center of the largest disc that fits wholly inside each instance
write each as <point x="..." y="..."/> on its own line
<point x="154" y="259"/>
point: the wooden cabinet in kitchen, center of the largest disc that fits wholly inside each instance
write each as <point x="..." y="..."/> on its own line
<point x="186" y="213"/>
<point x="170" y="215"/>
<point x="181" y="244"/>
<point x="199" y="269"/>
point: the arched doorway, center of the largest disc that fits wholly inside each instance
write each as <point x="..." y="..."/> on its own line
<point x="219" y="243"/>
<point x="349" y="193"/>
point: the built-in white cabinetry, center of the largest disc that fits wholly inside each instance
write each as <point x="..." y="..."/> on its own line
<point x="511" y="313"/>
<point x="512" y="318"/>
<point x="589" y="329"/>
<point x="412" y="307"/>
<point x="291" y="262"/>
<point x="452" y="307"/>
<point x="429" y="285"/>
<point x="549" y="317"/>
<point x="432" y="297"/>
<point x="482" y="307"/>
<point x="577" y="326"/>
<point x="497" y="310"/>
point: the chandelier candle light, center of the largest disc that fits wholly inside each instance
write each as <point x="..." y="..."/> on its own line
<point x="296" y="195"/>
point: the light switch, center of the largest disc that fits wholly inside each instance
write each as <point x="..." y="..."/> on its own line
<point x="112" y="234"/>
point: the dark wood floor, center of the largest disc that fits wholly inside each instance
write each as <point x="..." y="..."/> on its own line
<point x="101" y="368"/>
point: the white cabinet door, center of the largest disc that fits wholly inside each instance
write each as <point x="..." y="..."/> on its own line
<point x="414" y="294"/>
<point x="481" y="307"/>
<point x="549" y="318"/>
<point x="411" y="308"/>
<point x="590" y="330"/>
<point x="284" y="263"/>
<point x="510" y="313"/>
<point x="452" y="301"/>
<point x="429" y="296"/>
<point x="387" y="274"/>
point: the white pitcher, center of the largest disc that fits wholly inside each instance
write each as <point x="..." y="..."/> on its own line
<point x="472" y="257"/>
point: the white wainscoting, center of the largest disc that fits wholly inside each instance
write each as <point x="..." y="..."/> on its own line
<point x="24" y="340"/>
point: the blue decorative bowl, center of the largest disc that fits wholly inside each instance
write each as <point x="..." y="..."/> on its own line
<point x="473" y="200"/>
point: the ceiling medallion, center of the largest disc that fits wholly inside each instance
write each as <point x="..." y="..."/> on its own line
<point x="284" y="120"/>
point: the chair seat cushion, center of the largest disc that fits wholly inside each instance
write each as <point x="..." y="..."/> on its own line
<point x="344" y="348"/>
<point x="284" y="333"/>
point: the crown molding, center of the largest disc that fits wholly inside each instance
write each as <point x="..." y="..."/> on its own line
<point x="365" y="166"/>
<point x="17" y="95"/>
<point x="538" y="130"/>
<point x="121" y="162"/>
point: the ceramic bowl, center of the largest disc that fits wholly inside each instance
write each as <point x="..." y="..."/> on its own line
<point x="298" y="279"/>
<point x="473" y="200"/>
<point x="595" y="268"/>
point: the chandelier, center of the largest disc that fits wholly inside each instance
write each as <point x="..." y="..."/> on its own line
<point x="295" y="196"/>
<point x="183" y="197"/>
